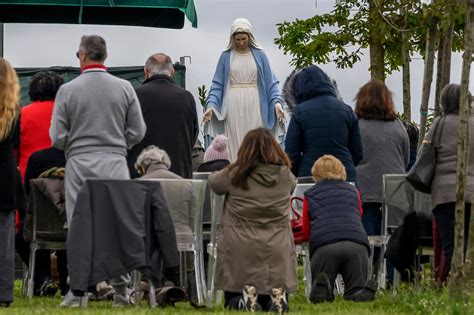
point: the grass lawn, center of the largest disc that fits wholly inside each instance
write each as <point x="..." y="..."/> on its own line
<point x="408" y="301"/>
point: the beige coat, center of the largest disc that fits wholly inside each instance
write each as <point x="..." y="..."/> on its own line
<point x="255" y="242"/>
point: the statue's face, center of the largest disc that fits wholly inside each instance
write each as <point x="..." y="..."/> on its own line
<point x="241" y="41"/>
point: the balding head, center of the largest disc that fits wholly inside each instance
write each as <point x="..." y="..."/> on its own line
<point x="159" y="64"/>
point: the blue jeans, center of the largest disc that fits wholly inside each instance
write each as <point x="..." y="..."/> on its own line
<point x="372" y="221"/>
<point x="372" y="217"/>
<point x="444" y="214"/>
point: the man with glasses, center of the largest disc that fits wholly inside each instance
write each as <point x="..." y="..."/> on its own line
<point x="96" y="119"/>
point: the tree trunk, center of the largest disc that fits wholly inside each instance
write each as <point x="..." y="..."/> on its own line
<point x="466" y="67"/>
<point x="376" y="50"/>
<point x="406" y="69"/>
<point x="444" y="58"/>
<point x="427" y="77"/>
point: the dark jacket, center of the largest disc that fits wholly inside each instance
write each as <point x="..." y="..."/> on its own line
<point x="47" y="200"/>
<point x="320" y="124"/>
<point x="405" y="240"/>
<point x="9" y="186"/>
<point x="41" y="161"/>
<point x="119" y="226"/>
<point x="334" y="212"/>
<point x="213" y="166"/>
<point x="171" y="119"/>
<point x="413" y="153"/>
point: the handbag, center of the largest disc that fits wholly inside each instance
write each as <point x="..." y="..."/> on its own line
<point x="296" y="221"/>
<point x="421" y="174"/>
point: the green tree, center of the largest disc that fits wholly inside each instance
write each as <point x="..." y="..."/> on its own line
<point x="460" y="271"/>
<point x="392" y="30"/>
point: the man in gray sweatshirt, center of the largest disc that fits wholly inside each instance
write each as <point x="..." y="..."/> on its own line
<point x="96" y="119"/>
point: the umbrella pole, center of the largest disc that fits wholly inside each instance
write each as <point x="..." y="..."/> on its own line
<point x="1" y="39"/>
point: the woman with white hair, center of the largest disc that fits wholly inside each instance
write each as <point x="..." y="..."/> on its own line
<point x="244" y="94"/>
<point x="154" y="162"/>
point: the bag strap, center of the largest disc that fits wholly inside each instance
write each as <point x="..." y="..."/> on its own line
<point x="297" y="214"/>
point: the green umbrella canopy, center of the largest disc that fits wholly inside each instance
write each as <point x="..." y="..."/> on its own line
<point x="151" y="13"/>
<point x="132" y="74"/>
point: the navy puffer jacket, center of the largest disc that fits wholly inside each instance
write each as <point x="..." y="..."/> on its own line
<point x="320" y="124"/>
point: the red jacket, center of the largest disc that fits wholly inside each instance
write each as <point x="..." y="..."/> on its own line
<point x="35" y="121"/>
<point x="306" y="221"/>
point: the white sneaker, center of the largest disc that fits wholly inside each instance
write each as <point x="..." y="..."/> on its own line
<point x="72" y="301"/>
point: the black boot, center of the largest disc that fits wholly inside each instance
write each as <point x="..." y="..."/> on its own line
<point x="367" y="294"/>
<point x="321" y="290"/>
<point x="5" y="304"/>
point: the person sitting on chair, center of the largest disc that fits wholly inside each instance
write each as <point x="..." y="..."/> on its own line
<point x="338" y="243"/>
<point x="217" y="156"/>
<point x="154" y="163"/>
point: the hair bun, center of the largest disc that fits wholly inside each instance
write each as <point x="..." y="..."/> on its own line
<point x="220" y="143"/>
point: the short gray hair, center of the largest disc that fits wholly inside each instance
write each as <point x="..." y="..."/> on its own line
<point x="154" y="67"/>
<point x="152" y="155"/>
<point x="94" y="47"/>
<point x="450" y="98"/>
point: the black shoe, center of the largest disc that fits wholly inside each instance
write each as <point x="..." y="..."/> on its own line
<point x="321" y="290"/>
<point x="367" y="294"/>
<point x="191" y="290"/>
<point x="48" y="288"/>
<point x="5" y="304"/>
<point x="278" y="301"/>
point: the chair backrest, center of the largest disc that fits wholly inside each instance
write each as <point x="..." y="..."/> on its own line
<point x="398" y="199"/>
<point x="206" y="214"/>
<point x="213" y="205"/>
<point x="301" y="188"/>
<point x="299" y="192"/>
<point x="305" y="180"/>
<point x="44" y="220"/>
<point x="201" y="175"/>
<point x="185" y="200"/>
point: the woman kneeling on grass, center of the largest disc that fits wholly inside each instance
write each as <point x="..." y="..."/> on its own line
<point x="338" y="243"/>
<point x="256" y="253"/>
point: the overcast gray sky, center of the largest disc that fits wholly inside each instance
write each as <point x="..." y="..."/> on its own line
<point x="40" y="45"/>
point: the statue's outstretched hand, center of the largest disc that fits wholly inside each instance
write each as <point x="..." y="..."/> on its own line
<point x="207" y="116"/>
<point x="280" y="114"/>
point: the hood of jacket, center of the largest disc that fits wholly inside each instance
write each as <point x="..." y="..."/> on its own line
<point x="267" y="174"/>
<point x="304" y="84"/>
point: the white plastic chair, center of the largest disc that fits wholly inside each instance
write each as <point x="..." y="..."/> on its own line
<point x="398" y="199"/>
<point x="217" y="204"/>
<point x="189" y="239"/>
<point x="47" y="231"/>
<point x="303" y="249"/>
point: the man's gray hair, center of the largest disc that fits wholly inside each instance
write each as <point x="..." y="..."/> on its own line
<point x="154" y="67"/>
<point x="94" y="47"/>
<point x="152" y="155"/>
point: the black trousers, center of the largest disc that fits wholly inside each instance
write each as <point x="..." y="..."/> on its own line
<point x="444" y="214"/>
<point x="7" y="255"/>
<point x="347" y="258"/>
